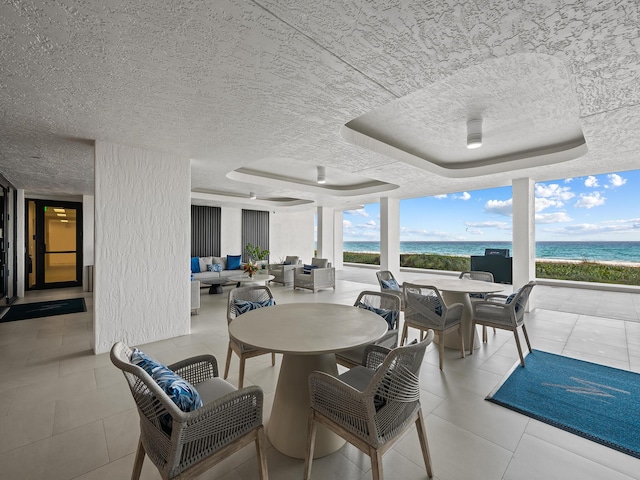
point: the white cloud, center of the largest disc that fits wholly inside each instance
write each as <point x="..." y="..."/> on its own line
<point x="591" y="181"/>
<point x="568" y="180"/>
<point x="371" y="223"/>
<point x="361" y="212"/>
<point x="501" y="207"/>
<point x="440" y="197"/>
<point x="554" y="192"/>
<point x="544" y="203"/>
<point x="474" y="231"/>
<point x="591" y="200"/>
<point x="555" y="217"/>
<point x="463" y="196"/>
<point x="412" y="232"/>
<point x="616" y="180"/>
<point x="489" y="224"/>
<point x="606" y="227"/>
<point x="346" y="224"/>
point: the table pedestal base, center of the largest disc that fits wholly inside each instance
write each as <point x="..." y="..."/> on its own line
<point x="287" y="426"/>
<point x="452" y="340"/>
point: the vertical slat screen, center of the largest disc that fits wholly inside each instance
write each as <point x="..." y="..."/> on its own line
<point x="205" y="231"/>
<point x="255" y="230"/>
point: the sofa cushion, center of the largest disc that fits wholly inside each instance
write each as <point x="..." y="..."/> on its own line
<point x="320" y="262"/>
<point x="195" y="265"/>
<point x="221" y="260"/>
<point x="214" y="267"/>
<point x="306" y="269"/>
<point x="233" y="262"/>
<point x="204" y="261"/>
<point x="291" y="260"/>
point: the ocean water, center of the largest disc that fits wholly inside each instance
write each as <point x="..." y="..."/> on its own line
<point x="628" y="252"/>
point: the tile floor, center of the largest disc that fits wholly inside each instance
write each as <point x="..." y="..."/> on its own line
<point x="67" y="414"/>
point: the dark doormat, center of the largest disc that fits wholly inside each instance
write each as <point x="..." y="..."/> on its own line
<point x="43" y="309"/>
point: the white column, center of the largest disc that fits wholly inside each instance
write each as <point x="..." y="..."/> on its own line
<point x="390" y="235"/>
<point x="338" y="240"/>
<point x="524" y="234"/>
<point x="325" y="233"/>
<point x="88" y="237"/>
<point x="20" y="244"/>
<point x="142" y="246"/>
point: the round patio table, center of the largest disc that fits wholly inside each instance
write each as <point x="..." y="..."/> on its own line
<point x="307" y="334"/>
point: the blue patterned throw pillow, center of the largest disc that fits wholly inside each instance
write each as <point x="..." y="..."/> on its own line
<point x="390" y="316"/>
<point x="244" y="306"/>
<point x="217" y="267"/>
<point x="181" y="392"/>
<point x="511" y="297"/>
<point x="390" y="284"/>
<point x="307" y="268"/>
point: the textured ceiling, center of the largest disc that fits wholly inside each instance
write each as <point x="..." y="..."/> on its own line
<point x="255" y="85"/>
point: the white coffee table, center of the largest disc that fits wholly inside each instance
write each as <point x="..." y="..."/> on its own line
<point x="258" y="279"/>
<point x="307" y="334"/>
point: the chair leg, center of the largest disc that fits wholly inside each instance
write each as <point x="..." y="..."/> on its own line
<point x="262" y="457"/>
<point x="424" y="445"/>
<point x="473" y="334"/>
<point x="137" y="464"/>
<point x="241" y="379"/>
<point x="421" y="335"/>
<point x="515" y="334"/>
<point x="461" y="340"/>
<point x="526" y="337"/>
<point x="484" y="334"/>
<point x="441" y="348"/>
<point x="273" y="359"/>
<point x="405" y="333"/>
<point x="226" y="365"/>
<point x="311" y="444"/>
<point x="376" y="464"/>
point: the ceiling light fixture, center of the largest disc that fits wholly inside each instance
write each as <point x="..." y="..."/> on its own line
<point x="322" y="179"/>
<point x="252" y="196"/>
<point x="474" y="133"/>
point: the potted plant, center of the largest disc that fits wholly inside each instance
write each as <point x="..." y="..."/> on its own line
<point x="257" y="254"/>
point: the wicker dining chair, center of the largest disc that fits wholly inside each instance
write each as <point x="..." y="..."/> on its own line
<point x="258" y="296"/>
<point x="477" y="297"/>
<point x="387" y="306"/>
<point x="425" y="309"/>
<point x="389" y="284"/>
<point x="182" y="445"/>
<point x="505" y="312"/>
<point x="371" y="405"/>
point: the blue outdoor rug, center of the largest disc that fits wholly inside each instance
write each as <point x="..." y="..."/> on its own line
<point x="596" y="402"/>
<point x="43" y="309"/>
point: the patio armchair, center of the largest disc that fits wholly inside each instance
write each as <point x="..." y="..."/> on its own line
<point x="389" y="284"/>
<point x="184" y="444"/>
<point x="372" y="405"/>
<point x="320" y="274"/>
<point x="283" y="272"/>
<point x="387" y="306"/>
<point x="243" y="299"/>
<point x="505" y="312"/>
<point x="425" y="309"/>
<point x="476" y="297"/>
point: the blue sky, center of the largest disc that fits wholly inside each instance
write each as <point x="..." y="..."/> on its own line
<point x="594" y="208"/>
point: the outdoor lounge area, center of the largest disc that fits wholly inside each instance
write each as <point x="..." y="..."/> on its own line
<point x="69" y="414"/>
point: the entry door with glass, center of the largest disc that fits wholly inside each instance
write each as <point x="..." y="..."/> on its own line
<point x="55" y="244"/>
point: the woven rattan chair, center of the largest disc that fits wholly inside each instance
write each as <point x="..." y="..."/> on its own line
<point x="251" y="293"/>
<point x="387" y="305"/>
<point x="386" y="278"/>
<point x="372" y="405"/>
<point x="425" y="309"/>
<point x="505" y="312"/>
<point x="183" y="445"/>
<point x="478" y="297"/>
<point x="323" y="275"/>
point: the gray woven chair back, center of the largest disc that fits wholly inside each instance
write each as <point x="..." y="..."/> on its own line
<point x="521" y="299"/>
<point x="385" y="275"/>
<point x="381" y="301"/>
<point x="424" y="305"/>
<point x="251" y="293"/>
<point x="482" y="276"/>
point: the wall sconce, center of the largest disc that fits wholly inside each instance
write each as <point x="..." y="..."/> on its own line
<point x="252" y="196"/>
<point x="322" y="179"/>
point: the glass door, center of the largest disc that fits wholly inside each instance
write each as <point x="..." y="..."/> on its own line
<point x="56" y="245"/>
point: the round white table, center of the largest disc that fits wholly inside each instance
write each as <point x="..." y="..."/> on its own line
<point x="258" y="279"/>
<point x="307" y="334"/>
<point x="457" y="290"/>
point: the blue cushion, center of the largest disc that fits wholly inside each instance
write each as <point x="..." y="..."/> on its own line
<point x="244" y="306"/>
<point x="307" y="268"/>
<point x="391" y="316"/>
<point x="390" y="284"/>
<point x="195" y="265"/>
<point x="217" y="267"/>
<point x="233" y="262"/>
<point x="181" y="392"/>
<point x="511" y="297"/>
<point x="286" y="263"/>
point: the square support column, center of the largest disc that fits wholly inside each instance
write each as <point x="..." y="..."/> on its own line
<point x="524" y="234"/>
<point x="390" y="235"/>
<point x="326" y="234"/>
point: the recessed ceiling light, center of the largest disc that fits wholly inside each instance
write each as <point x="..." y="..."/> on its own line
<point x="252" y="196"/>
<point x="474" y="133"/>
<point x="61" y="214"/>
<point x="64" y="221"/>
<point x="58" y="210"/>
<point x="321" y="176"/>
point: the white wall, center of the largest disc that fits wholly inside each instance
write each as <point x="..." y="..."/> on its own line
<point x="142" y="246"/>
<point x="291" y="233"/>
